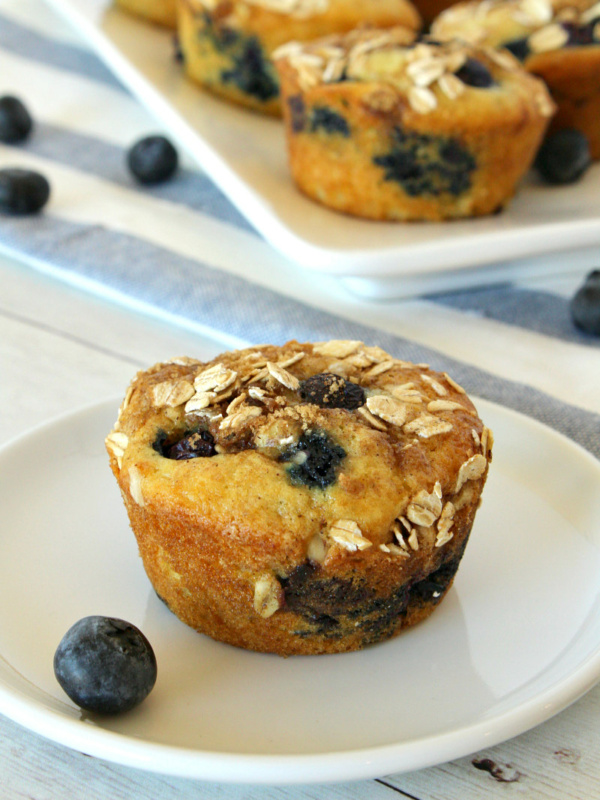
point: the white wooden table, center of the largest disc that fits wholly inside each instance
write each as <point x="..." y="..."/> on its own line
<point x="60" y="349"/>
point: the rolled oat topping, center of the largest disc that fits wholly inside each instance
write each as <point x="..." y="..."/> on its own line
<point x="425" y="507"/>
<point x="543" y="21"/>
<point x="348" y="535"/>
<point x="172" y="393"/>
<point x="424" y="72"/>
<point x="444" y="525"/>
<point x="387" y="408"/>
<point x="268" y="596"/>
<point x="471" y="470"/>
<point x="427" y="425"/>
<point x="117" y="442"/>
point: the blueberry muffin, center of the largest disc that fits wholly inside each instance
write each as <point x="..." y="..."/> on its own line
<point x="303" y="499"/>
<point x="556" y="40"/>
<point x="227" y="44"/>
<point x="163" y="12"/>
<point x="383" y="128"/>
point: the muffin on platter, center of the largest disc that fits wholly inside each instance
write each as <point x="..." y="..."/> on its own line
<point x="164" y="12"/>
<point x="557" y="40"/>
<point x="382" y="127"/>
<point x="227" y="44"/>
<point x="302" y="499"/>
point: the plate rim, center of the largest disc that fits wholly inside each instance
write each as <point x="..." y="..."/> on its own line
<point x="292" y="769"/>
<point x="473" y="249"/>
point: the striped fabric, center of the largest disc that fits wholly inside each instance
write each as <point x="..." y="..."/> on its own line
<point x="182" y="252"/>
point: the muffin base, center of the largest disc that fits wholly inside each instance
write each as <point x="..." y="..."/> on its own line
<point x="323" y="611"/>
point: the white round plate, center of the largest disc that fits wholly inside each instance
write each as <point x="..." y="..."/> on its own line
<point x="515" y="641"/>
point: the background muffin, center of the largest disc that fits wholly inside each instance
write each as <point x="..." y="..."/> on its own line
<point x="384" y="128"/>
<point x="227" y="44"/>
<point x="302" y="499"/>
<point x="557" y="40"/>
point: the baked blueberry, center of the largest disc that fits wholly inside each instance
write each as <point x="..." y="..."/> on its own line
<point x="563" y="157"/>
<point x="297" y="113"/>
<point x="15" y="120"/>
<point x="105" y="665"/>
<point x="581" y="34"/>
<point x="518" y="47"/>
<point x="314" y="460"/>
<point x="329" y="121"/>
<point x="22" y="191"/>
<point x="585" y="305"/>
<point x="153" y="159"/>
<point x="200" y="444"/>
<point x="331" y="391"/>
<point x="251" y="71"/>
<point x="424" y="164"/>
<point x="475" y="74"/>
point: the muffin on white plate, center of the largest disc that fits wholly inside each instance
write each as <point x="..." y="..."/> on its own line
<point x="302" y="499"/>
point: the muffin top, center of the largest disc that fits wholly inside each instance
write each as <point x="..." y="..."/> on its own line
<point x="525" y="27"/>
<point x="325" y="446"/>
<point x="422" y="75"/>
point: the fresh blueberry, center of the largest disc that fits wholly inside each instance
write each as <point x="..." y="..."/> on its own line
<point x="563" y="157"/>
<point x="15" y="120"/>
<point x="22" y="191"/>
<point x="314" y="460"/>
<point x="475" y="74"/>
<point x="585" y="305"/>
<point x="331" y="391"/>
<point x="105" y="665"/>
<point x="152" y="159"/>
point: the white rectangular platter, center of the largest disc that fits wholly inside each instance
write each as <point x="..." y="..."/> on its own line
<point x="245" y="154"/>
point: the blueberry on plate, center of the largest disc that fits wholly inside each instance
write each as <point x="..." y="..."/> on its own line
<point x="105" y="665"/>
<point x="22" y="191"/>
<point x="585" y="305"/>
<point x="15" y="120"/>
<point x="152" y="159"/>
<point x="563" y="157"/>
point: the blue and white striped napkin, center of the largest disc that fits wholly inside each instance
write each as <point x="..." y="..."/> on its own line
<point x="181" y="251"/>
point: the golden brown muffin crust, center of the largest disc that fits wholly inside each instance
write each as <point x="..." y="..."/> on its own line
<point x="412" y="140"/>
<point x="559" y="41"/>
<point x="255" y="545"/>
